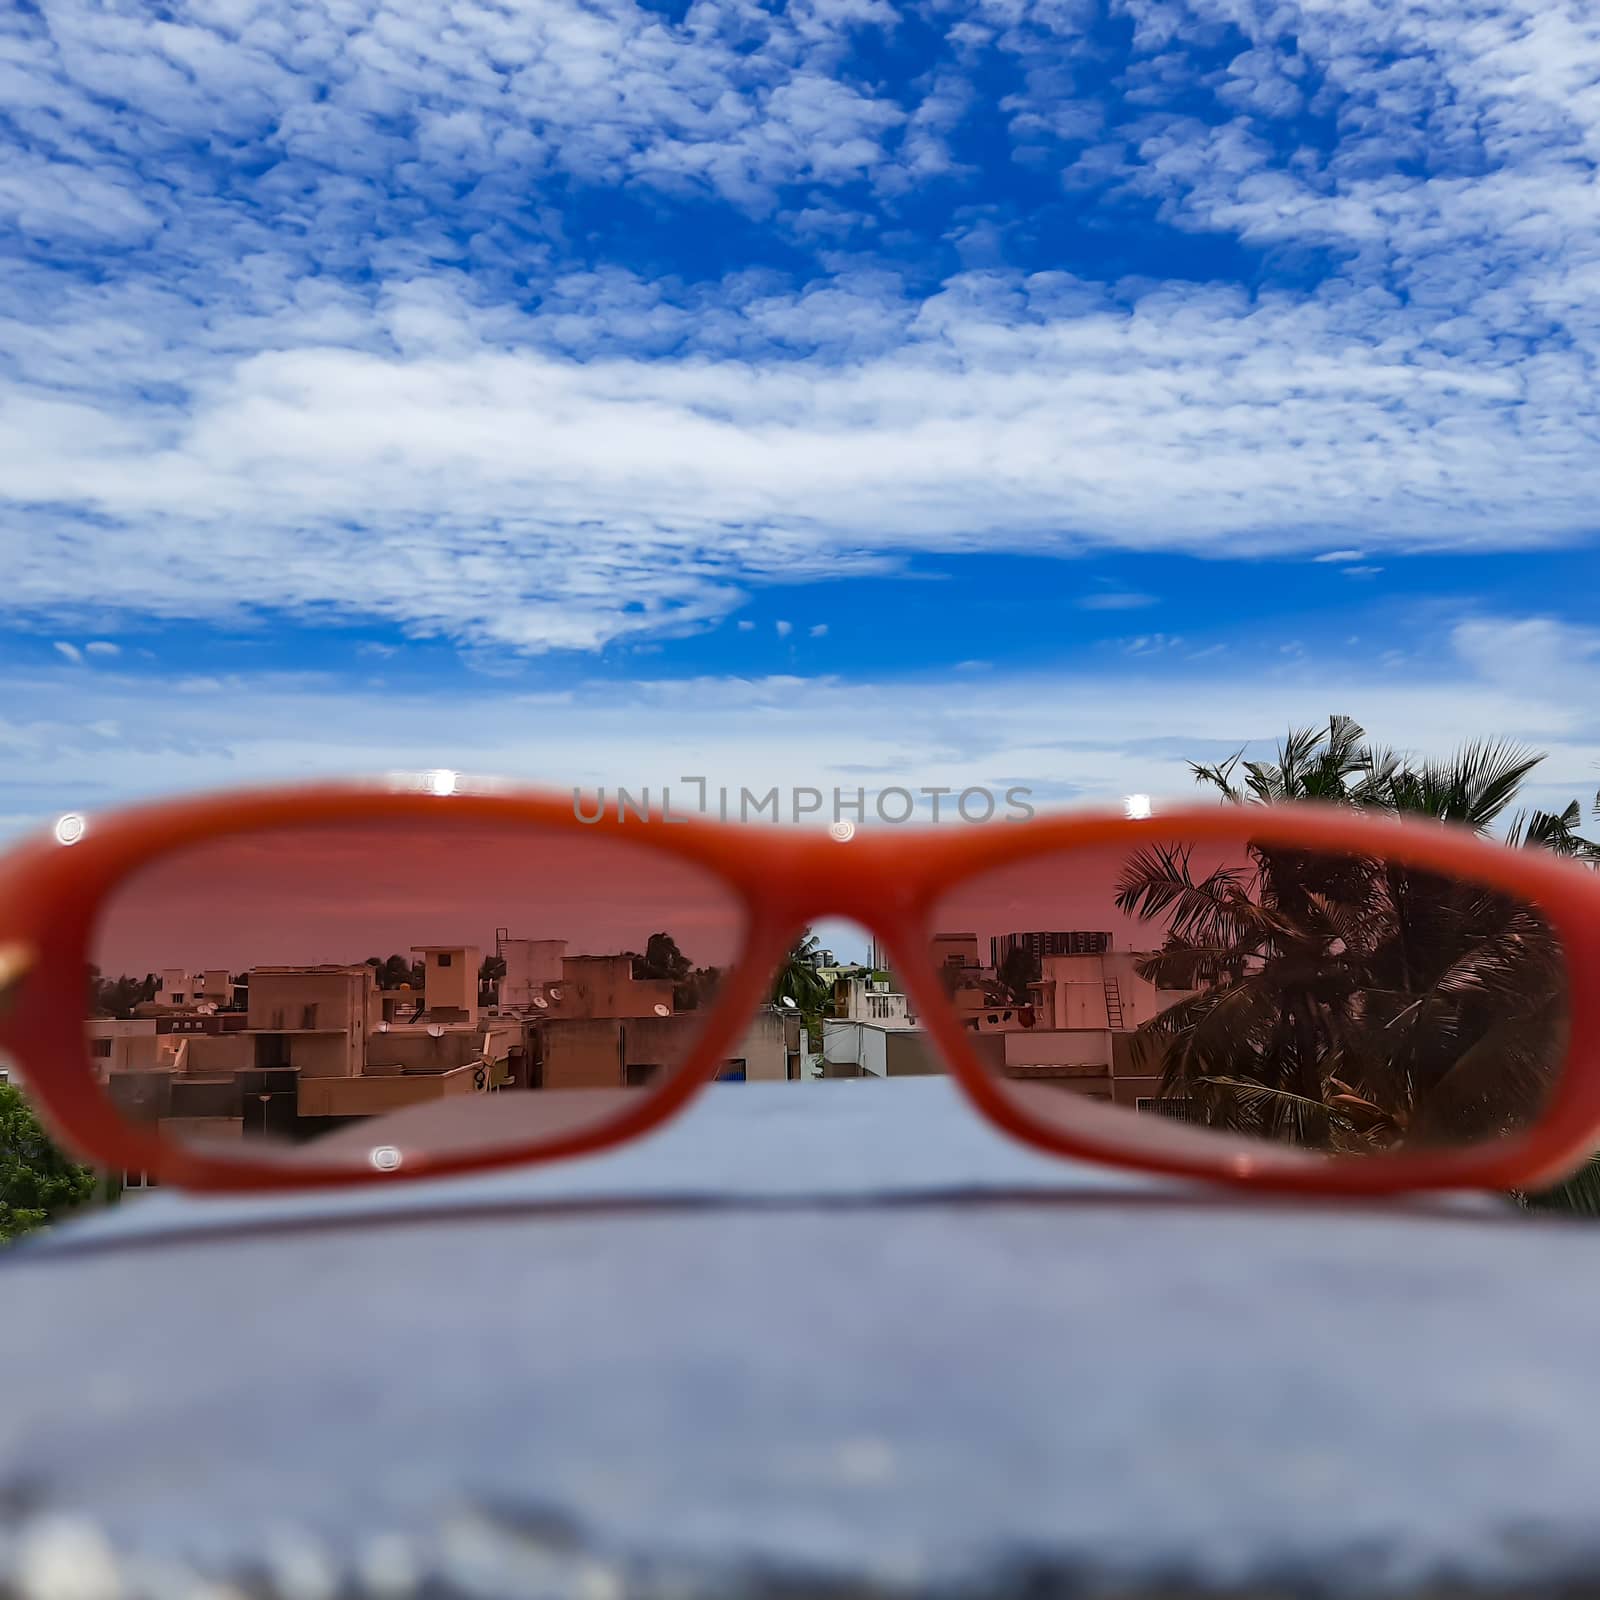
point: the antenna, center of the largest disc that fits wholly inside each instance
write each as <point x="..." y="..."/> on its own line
<point x="435" y="1030"/>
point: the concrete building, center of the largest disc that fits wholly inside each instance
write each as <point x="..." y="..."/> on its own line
<point x="766" y="1053"/>
<point x="859" y="1049"/>
<point x="1041" y="945"/>
<point x="859" y="997"/>
<point x="1078" y="1029"/>
<point x="120" y="1044"/>
<point x="604" y="986"/>
<point x="1117" y="1066"/>
<point x="1098" y="991"/>
<point x="1081" y="1030"/>
<point x="178" y="988"/>
<point x="312" y="1049"/>
<point x="336" y="1100"/>
<point x="450" y="981"/>
<point x="608" y="1052"/>
<point x="830" y="971"/>
<point x="314" y="1019"/>
<point x="532" y="965"/>
<point x="956" y="955"/>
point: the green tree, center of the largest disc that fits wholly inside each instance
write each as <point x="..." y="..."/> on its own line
<point x="396" y="971"/>
<point x="1347" y="1003"/>
<point x="1015" y="973"/>
<point x="797" y="978"/>
<point x="697" y="989"/>
<point x="37" y="1182"/>
<point x="662" y="959"/>
<point x="798" y="982"/>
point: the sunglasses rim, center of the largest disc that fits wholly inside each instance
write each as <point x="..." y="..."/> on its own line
<point x="52" y="894"/>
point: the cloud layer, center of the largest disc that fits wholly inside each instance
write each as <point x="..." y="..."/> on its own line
<point x="89" y="736"/>
<point x="396" y="311"/>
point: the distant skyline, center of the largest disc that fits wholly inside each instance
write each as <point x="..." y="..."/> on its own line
<point x="328" y="895"/>
<point x="340" y="895"/>
<point x="1036" y="392"/>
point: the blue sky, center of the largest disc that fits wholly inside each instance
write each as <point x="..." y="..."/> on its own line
<point x="1021" y="391"/>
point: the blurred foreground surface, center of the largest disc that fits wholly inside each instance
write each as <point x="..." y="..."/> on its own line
<point x="844" y="1340"/>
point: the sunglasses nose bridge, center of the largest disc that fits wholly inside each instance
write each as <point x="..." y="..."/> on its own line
<point x="883" y="903"/>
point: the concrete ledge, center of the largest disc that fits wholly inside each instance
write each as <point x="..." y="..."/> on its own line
<point x="719" y="1365"/>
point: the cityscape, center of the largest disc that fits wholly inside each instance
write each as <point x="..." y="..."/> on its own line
<point x="1333" y="1002"/>
<point x="297" y="1052"/>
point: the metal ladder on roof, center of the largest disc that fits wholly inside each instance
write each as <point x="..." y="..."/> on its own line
<point x="1113" y="1005"/>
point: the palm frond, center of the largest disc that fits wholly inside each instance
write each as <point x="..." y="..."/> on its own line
<point x="1258" y="1107"/>
<point x="1556" y="832"/>
<point x="1578" y="1195"/>
<point x="1214" y="910"/>
<point x="1478" y="783"/>
<point x="1220" y="776"/>
<point x="1493" y="1089"/>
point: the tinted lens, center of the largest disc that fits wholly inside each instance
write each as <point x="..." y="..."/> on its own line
<point x="369" y="991"/>
<point x="1334" y="1002"/>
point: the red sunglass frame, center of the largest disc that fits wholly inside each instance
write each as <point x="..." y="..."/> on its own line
<point x="887" y="879"/>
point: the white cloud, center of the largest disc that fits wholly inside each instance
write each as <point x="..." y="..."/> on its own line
<point x="359" y="365"/>
<point x="1129" y="729"/>
<point x="1534" y="656"/>
<point x="70" y="651"/>
<point x="526" y="499"/>
<point x="1116" y="601"/>
<point x="1149" y="644"/>
<point x="734" y="101"/>
<point x="819" y="630"/>
<point x="102" y="647"/>
<point x="785" y="629"/>
<point x="746" y="626"/>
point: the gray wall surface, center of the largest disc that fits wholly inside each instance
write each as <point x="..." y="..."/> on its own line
<point x="830" y="1338"/>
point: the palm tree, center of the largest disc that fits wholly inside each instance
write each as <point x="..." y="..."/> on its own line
<point x="1347" y="1003"/>
<point x="797" y="978"/>
<point x="1555" y="831"/>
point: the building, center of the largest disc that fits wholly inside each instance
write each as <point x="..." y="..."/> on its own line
<point x="1098" y="991"/>
<point x="179" y="988"/>
<point x="603" y="986"/>
<point x="121" y="1044"/>
<point x="1120" y="1067"/>
<point x="859" y="997"/>
<point x="450" y="981"/>
<point x="956" y="957"/>
<point x="1078" y="1028"/>
<point x="1041" y="945"/>
<point x="608" y="1052"/>
<point x="531" y="965"/>
<point x="859" y="1049"/>
<point x="313" y="1048"/>
<point x="1082" y="1029"/>
<point x="313" y="1019"/>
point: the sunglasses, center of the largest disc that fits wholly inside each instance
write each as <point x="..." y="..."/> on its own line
<point x="368" y="982"/>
